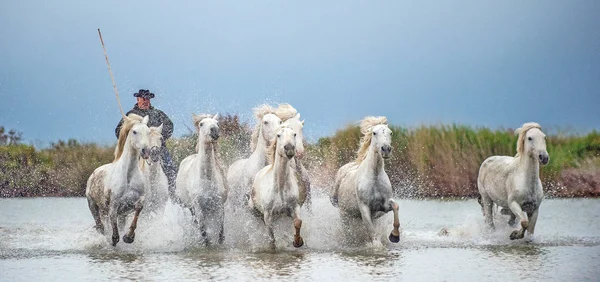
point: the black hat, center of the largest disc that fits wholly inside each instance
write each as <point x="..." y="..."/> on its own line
<point x="144" y="93"/>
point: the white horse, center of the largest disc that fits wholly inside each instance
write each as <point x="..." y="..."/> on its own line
<point x="242" y="172"/>
<point x="275" y="188"/>
<point x="362" y="188"/>
<point x="200" y="183"/>
<point x="291" y="118"/>
<point x="513" y="183"/>
<point x="158" y="194"/>
<point x="118" y="188"/>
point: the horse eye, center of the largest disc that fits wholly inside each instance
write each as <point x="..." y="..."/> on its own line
<point x="391" y="133"/>
<point x="374" y="133"/>
<point x="201" y="124"/>
<point x="294" y="134"/>
<point x="134" y="132"/>
<point x="529" y="138"/>
<point x="278" y="135"/>
<point x="280" y="122"/>
<point x="266" y="122"/>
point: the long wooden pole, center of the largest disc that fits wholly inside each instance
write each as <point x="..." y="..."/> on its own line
<point x="111" y="75"/>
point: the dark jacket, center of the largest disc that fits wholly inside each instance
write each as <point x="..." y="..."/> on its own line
<point x="157" y="117"/>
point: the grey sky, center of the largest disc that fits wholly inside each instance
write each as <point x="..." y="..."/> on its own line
<point x="471" y="62"/>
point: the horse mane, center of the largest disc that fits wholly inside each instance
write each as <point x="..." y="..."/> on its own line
<point x="366" y="127"/>
<point x="521" y="131"/>
<point x="128" y="123"/>
<point x="259" y="113"/>
<point x="285" y="111"/>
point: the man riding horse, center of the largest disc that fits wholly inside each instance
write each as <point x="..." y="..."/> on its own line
<point x="157" y="117"/>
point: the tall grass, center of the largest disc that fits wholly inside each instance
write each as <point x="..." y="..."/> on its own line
<point x="61" y="170"/>
<point x="443" y="160"/>
<point x="427" y="161"/>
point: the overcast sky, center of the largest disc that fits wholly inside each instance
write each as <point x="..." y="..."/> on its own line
<point x="480" y="63"/>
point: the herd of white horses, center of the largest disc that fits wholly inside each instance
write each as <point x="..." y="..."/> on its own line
<point x="272" y="182"/>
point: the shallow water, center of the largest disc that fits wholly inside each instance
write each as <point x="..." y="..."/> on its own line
<point x="53" y="239"/>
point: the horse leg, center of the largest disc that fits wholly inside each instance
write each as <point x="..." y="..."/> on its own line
<point x="298" y="241"/>
<point x="199" y="222"/>
<point x="517" y="211"/>
<point x="222" y="231"/>
<point x="305" y="181"/>
<point x="96" y="214"/>
<point x="268" y="218"/>
<point x="395" y="234"/>
<point x="203" y="230"/>
<point x="513" y="220"/>
<point x="112" y="215"/>
<point x="366" y="217"/>
<point x="532" y="221"/>
<point x="130" y="236"/>
<point x="122" y="219"/>
<point x="488" y="206"/>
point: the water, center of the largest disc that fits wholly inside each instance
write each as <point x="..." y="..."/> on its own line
<point x="50" y="239"/>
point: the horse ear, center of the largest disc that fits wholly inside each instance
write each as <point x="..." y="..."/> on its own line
<point x="302" y="122"/>
<point x="160" y="128"/>
<point x="298" y="115"/>
<point x="145" y="120"/>
<point x="216" y="116"/>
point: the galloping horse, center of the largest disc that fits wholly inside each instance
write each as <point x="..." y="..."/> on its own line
<point x="362" y="188"/>
<point x="291" y="119"/>
<point x="275" y="187"/>
<point x="200" y="184"/>
<point x="513" y="183"/>
<point x="242" y="172"/>
<point x="118" y="188"/>
<point x="158" y="194"/>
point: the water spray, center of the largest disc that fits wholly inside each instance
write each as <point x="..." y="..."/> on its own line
<point x="111" y="76"/>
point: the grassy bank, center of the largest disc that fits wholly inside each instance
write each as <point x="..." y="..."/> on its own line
<point x="427" y="161"/>
<point x="443" y="161"/>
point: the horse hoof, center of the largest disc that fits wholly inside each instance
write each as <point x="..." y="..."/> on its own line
<point x="128" y="239"/>
<point x="443" y="232"/>
<point x="298" y="243"/>
<point x="394" y="238"/>
<point x="515" y="235"/>
<point x="115" y="240"/>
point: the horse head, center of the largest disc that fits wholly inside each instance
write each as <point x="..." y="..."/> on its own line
<point x="297" y="125"/>
<point x="156" y="140"/>
<point x="269" y="125"/>
<point x="207" y="127"/>
<point x="381" y="140"/>
<point x="285" y="142"/>
<point x="532" y="142"/>
<point x="139" y="138"/>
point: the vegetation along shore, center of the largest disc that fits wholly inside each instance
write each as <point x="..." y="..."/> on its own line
<point x="427" y="162"/>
